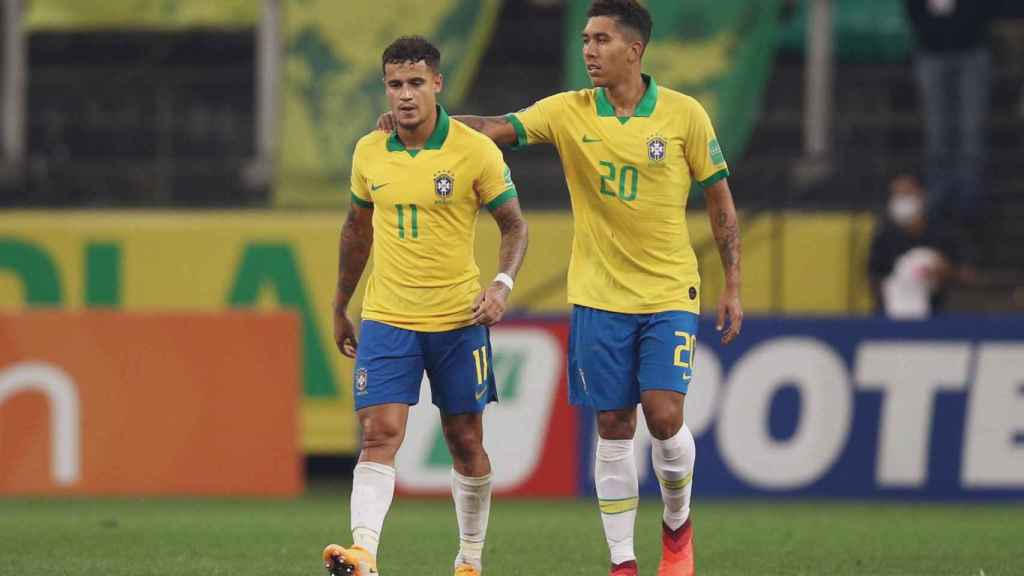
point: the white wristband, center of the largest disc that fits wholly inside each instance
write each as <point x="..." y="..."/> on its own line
<point x="505" y="279"/>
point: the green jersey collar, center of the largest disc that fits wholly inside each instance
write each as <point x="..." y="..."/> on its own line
<point x="644" y="108"/>
<point x="436" y="140"/>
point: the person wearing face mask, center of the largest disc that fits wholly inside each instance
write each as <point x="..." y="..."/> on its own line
<point x="911" y="262"/>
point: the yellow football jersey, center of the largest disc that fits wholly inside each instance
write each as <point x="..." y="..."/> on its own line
<point x="628" y="180"/>
<point x="425" y="204"/>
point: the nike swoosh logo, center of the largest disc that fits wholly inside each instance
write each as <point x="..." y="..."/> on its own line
<point x="481" y="393"/>
<point x="375" y="187"/>
<point x="589" y="140"/>
<point x="686" y="377"/>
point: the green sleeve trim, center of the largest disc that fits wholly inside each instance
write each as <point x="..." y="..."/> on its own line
<point x="504" y="197"/>
<point x="360" y="202"/>
<point x="723" y="173"/>
<point x="520" y="131"/>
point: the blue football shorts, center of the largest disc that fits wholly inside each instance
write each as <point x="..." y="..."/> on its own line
<point x="613" y="357"/>
<point x="390" y="363"/>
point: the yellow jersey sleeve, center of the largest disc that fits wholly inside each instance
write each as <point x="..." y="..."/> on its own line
<point x="702" y="151"/>
<point x="536" y="124"/>
<point x="494" y="185"/>
<point x="360" y="188"/>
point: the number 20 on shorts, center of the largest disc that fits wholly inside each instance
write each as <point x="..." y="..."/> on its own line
<point x="685" y="350"/>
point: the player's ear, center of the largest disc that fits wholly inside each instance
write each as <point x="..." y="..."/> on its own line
<point x="438" y="82"/>
<point x="636" y="50"/>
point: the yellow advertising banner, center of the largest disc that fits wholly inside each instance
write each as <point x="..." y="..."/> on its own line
<point x="164" y="261"/>
<point x="219" y="260"/>
<point x="136" y="14"/>
<point x="201" y="261"/>
<point x="333" y="89"/>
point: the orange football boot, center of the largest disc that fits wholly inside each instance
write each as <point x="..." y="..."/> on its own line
<point x="355" y="561"/>
<point x="466" y="570"/>
<point x="676" y="550"/>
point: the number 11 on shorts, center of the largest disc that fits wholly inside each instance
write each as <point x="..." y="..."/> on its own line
<point x="480" y="357"/>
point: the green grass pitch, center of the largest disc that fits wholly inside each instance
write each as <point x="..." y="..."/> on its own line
<point x="163" y="537"/>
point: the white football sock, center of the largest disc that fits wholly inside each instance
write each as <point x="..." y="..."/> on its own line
<point x="373" y="488"/>
<point x="617" y="495"/>
<point x="472" y="498"/>
<point x="673" y="464"/>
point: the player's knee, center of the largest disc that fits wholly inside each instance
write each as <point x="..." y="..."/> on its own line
<point x="381" y="434"/>
<point x="616" y="424"/>
<point x="665" y="422"/>
<point x="464" y="442"/>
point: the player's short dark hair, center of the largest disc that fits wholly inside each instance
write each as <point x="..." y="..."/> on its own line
<point x="628" y="13"/>
<point x="412" y="49"/>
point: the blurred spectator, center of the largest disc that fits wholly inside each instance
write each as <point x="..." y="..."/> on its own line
<point x="912" y="261"/>
<point x="1013" y="13"/>
<point x="954" y="72"/>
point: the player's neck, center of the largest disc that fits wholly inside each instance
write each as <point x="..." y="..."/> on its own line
<point x="625" y="96"/>
<point x="417" y="139"/>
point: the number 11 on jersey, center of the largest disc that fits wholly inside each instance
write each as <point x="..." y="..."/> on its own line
<point x="414" y="217"/>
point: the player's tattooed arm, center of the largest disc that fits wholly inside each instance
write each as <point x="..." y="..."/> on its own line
<point x="490" y="305"/>
<point x="514" y="236"/>
<point x="725" y="227"/>
<point x="497" y="128"/>
<point x="353" y="252"/>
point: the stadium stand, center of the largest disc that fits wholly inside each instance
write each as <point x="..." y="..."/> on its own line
<point x="139" y="119"/>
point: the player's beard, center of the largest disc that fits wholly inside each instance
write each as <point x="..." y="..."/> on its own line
<point x="409" y="125"/>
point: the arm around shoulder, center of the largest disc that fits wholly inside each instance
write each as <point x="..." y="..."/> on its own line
<point x="497" y="128"/>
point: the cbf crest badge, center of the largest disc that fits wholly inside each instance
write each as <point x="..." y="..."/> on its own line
<point x="657" y="147"/>
<point x="361" y="378"/>
<point x="444" y="186"/>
